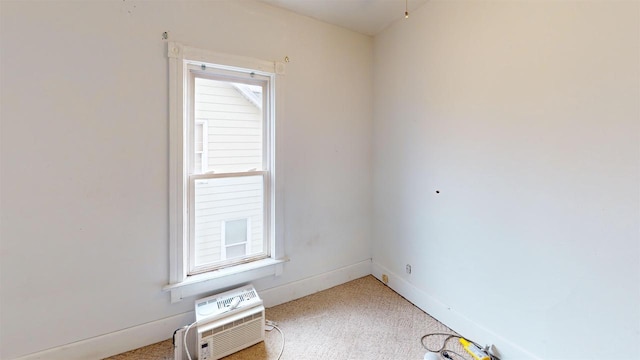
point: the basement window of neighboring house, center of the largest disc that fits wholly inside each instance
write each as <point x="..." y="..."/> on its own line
<point x="236" y="240"/>
<point x="225" y="208"/>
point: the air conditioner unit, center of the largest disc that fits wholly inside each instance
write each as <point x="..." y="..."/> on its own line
<point x="225" y="323"/>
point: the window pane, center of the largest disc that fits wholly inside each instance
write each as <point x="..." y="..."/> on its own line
<point x="235" y="232"/>
<point x="234" y="116"/>
<point x="235" y="251"/>
<point x="227" y="200"/>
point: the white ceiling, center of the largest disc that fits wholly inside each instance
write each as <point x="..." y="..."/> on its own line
<point x="364" y="16"/>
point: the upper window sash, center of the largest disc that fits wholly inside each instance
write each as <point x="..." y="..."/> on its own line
<point x="227" y="174"/>
<point x="241" y="76"/>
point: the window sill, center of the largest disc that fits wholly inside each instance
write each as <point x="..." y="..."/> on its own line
<point x="224" y="278"/>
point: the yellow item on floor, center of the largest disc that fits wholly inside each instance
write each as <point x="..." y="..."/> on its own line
<point x="473" y="350"/>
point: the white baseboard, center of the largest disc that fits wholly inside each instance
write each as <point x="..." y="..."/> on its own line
<point x="135" y="337"/>
<point x="138" y="336"/>
<point x="116" y="342"/>
<point x="451" y="318"/>
<point x="297" y="289"/>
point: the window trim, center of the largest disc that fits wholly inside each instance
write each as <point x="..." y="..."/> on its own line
<point x="180" y="285"/>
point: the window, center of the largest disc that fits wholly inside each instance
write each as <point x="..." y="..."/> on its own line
<point x="234" y="104"/>
<point x="223" y="185"/>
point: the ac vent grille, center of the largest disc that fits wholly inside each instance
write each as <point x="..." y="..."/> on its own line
<point x="237" y="338"/>
<point x="217" y="306"/>
<point x="245" y="296"/>
<point x="232" y="325"/>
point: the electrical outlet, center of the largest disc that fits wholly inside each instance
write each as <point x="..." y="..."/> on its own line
<point x="408" y="268"/>
<point x="385" y="278"/>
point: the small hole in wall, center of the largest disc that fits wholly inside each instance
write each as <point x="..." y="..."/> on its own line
<point x="437" y="191"/>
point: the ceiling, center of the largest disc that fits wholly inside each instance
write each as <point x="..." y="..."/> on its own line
<point x="364" y="16"/>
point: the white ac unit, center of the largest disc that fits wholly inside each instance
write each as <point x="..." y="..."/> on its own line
<point x="225" y="323"/>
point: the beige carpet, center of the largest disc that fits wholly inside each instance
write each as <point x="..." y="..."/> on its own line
<point x="360" y="320"/>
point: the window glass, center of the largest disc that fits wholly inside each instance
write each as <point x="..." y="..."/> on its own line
<point x="235" y="116"/>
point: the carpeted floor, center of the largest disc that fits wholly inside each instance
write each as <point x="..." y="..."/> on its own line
<point x="359" y="320"/>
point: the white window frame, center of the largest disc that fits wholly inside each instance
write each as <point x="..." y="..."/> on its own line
<point x="180" y="284"/>
<point x="216" y="72"/>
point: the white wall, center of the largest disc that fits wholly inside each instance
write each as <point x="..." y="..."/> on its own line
<point x="526" y="117"/>
<point x="84" y="236"/>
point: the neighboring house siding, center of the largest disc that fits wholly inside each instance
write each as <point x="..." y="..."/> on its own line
<point x="234" y="135"/>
